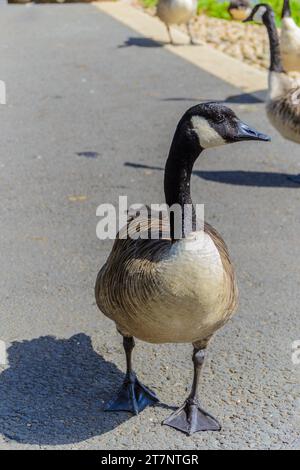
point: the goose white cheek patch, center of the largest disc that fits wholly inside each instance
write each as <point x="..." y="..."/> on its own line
<point x="208" y="136"/>
<point x="259" y="14"/>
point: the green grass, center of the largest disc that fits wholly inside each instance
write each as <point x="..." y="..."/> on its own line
<point x="277" y="7"/>
<point x="218" y="9"/>
<point x="214" y="8"/>
<point x="148" y="3"/>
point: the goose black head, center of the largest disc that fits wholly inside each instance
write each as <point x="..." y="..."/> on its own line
<point x="260" y="13"/>
<point x="213" y="124"/>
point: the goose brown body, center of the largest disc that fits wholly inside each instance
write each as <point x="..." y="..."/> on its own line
<point x="161" y="292"/>
<point x="283" y="112"/>
<point x="176" y="11"/>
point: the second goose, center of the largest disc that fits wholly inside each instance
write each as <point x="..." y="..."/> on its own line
<point x="179" y="288"/>
<point x="289" y="40"/>
<point x="177" y="12"/>
<point x="283" y="104"/>
<point x="239" y="9"/>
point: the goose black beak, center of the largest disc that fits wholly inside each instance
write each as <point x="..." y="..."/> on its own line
<point x="249" y="18"/>
<point x="244" y="132"/>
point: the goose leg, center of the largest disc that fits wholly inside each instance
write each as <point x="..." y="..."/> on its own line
<point x="132" y="396"/>
<point x="169" y="34"/>
<point x="192" y="40"/>
<point x="191" y="417"/>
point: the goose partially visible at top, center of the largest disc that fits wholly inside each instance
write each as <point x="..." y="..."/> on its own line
<point x="289" y="40"/>
<point x="239" y="9"/>
<point x="177" y="12"/>
<point x="283" y="103"/>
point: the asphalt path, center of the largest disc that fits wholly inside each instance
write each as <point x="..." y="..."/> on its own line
<point x="91" y="110"/>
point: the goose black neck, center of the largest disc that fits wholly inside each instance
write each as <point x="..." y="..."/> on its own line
<point x="286" y="9"/>
<point x="275" y="58"/>
<point x="182" y="156"/>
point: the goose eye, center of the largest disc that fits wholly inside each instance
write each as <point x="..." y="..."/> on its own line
<point x="219" y="119"/>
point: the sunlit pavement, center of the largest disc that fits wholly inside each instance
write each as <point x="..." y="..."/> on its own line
<point x="91" y="109"/>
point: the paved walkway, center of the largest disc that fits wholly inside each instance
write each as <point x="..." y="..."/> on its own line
<point x="91" y="109"/>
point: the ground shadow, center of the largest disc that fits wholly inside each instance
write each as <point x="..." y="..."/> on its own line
<point x="185" y="98"/>
<point x="241" y="98"/>
<point x="141" y="166"/>
<point x="251" y="178"/>
<point x="88" y="154"/>
<point x="248" y="98"/>
<point x="54" y="391"/>
<point x="141" y="42"/>
<point x="239" y="177"/>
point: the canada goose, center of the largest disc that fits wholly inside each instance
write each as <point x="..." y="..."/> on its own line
<point x="283" y="103"/>
<point x="177" y="12"/>
<point x="174" y="290"/>
<point x="239" y="9"/>
<point x="289" y="40"/>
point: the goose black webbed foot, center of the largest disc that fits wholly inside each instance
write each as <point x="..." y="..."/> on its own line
<point x="133" y="396"/>
<point x="191" y="418"/>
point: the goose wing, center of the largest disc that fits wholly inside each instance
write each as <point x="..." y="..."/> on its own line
<point x="284" y="114"/>
<point x="132" y="262"/>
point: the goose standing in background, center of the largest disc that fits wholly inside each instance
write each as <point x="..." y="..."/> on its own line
<point x="176" y="289"/>
<point x="239" y="9"/>
<point x="283" y="103"/>
<point x="177" y="12"/>
<point x="289" y="40"/>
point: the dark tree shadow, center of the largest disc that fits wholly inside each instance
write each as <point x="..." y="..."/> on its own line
<point x="141" y="42"/>
<point x="239" y="177"/>
<point x="54" y="391"/>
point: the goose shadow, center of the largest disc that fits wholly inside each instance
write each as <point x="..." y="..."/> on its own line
<point x="54" y="390"/>
<point x="252" y="178"/>
<point x="141" y="42"/>
<point x="241" y="98"/>
<point x="256" y="97"/>
<point x="238" y="177"/>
